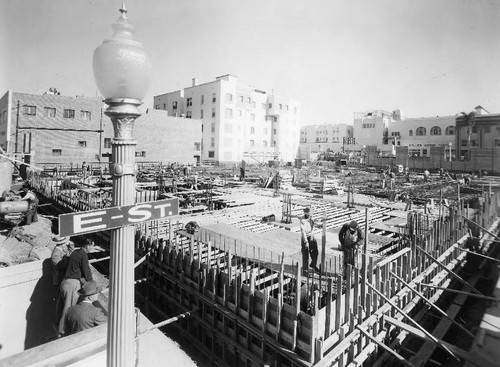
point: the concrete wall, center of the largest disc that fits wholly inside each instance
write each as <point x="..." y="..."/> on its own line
<point x="26" y="308"/>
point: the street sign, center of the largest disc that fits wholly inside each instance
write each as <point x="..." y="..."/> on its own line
<point x="108" y="218"/>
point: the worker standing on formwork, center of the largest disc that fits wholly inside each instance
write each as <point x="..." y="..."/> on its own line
<point x="382" y="179"/>
<point x="309" y="245"/>
<point x="351" y="237"/>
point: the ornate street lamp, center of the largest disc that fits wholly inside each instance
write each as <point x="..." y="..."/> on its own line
<point x="122" y="70"/>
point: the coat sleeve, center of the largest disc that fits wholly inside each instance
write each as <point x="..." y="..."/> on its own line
<point x="99" y="317"/>
<point x="342" y="233"/>
<point x="86" y="272"/>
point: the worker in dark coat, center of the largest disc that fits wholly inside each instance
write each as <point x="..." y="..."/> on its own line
<point x="84" y="315"/>
<point x="77" y="273"/>
<point x="351" y="237"/>
<point x="31" y="215"/>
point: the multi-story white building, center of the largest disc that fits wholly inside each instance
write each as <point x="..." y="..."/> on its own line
<point x="371" y="127"/>
<point x="320" y="138"/>
<point x="238" y="121"/>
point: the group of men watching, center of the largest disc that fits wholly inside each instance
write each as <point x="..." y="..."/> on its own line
<point x="75" y="291"/>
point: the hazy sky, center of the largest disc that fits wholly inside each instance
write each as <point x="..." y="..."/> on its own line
<point x="426" y="57"/>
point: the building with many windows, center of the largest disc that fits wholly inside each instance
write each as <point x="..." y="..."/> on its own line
<point x="55" y="129"/>
<point x="51" y="128"/>
<point x="315" y="139"/>
<point x="238" y="121"/>
<point x="385" y="129"/>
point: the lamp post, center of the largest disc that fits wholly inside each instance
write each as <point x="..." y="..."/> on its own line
<point x="122" y="69"/>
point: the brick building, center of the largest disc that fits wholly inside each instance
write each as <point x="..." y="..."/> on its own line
<point x="54" y="129"/>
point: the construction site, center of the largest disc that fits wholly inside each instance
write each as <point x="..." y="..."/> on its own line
<point x="224" y="279"/>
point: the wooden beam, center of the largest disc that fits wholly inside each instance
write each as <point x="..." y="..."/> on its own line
<point x="385" y="347"/>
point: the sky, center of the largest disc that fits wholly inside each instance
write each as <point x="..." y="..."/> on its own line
<point x="336" y="57"/>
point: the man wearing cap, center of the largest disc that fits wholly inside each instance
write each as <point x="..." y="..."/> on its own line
<point x="350" y="237"/>
<point x="84" y="315"/>
<point x="77" y="273"/>
<point x="309" y="245"/>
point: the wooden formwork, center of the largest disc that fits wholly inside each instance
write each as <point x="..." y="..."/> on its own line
<point x="252" y="314"/>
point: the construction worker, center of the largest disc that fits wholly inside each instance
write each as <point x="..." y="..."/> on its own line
<point x="309" y="245"/>
<point x="426" y="175"/>
<point x="31" y="215"/>
<point x="382" y="179"/>
<point x="351" y="237"/>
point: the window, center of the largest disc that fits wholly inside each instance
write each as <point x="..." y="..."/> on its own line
<point x="202" y="99"/>
<point x="82" y="144"/>
<point x="274" y="131"/>
<point x="57" y="152"/>
<point x="240" y="113"/>
<point x="107" y="142"/>
<point x="265" y="131"/>
<point x="450" y="130"/>
<point x="189" y="114"/>
<point x="240" y="98"/>
<point x="497" y="143"/>
<point x="249" y="99"/>
<point x="395" y="133"/>
<point x="264" y="143"/>
<point x="201" y="114"/>
<point x="435" y="130"/>
<point x="286" y="107"/>
<point x="165" y="106"/>
<point x="86" y="115"/>
<point x="229" y="113"/>
<point x="274" y="143"/>
<point x="213" y="112"/>
<point x="189" y="102"/>
<point x="252" y="130"/>
<point x="213" y="127"/>
<point x="421" y="131"/>
<point x="229" y="97"/>
<point x="174" y="105"/>
<point x="140" y="154"/>
<point x="270" y="105"/>
<point x="463" y="143"/>
<point x="253" y="104"/>
<point x="410" y="133"/>
<point x="281" y="106"/>
<point x="252" y="143"/>
<point x="49" y="112"/>
<point x="214" y="98"/>
<point x="211" y="154"/>
<point x="69" y="114"/>
<point x="212" y="142"/>
<point x="30" y="110"/>
<point x="252" y="117"/>
<point x="197" y="146"/>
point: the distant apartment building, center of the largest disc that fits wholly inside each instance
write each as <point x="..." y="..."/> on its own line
<point x="422" y="133"/>
<point x="54" y="129"/>
<point x="238" y="120"/>
<point x="385" y="129"/>
<point x="315" y="139"/>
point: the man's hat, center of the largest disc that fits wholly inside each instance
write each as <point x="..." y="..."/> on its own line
<point x="90" y="288"/>
<point x="353" y="224"/>
<point x="59" y="240"/>
<point x="307" y="210"/>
